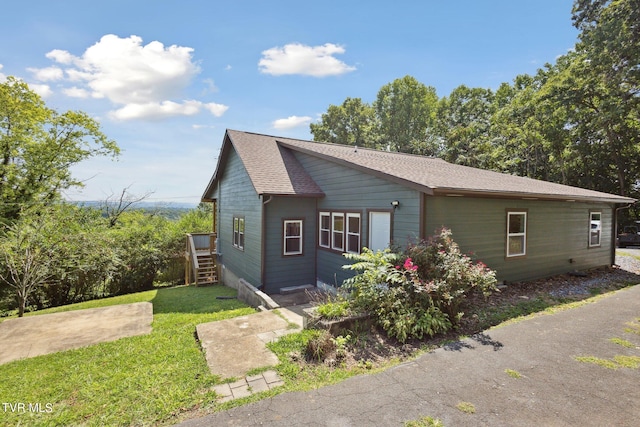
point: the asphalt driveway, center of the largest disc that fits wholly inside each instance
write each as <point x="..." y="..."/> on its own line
<point x="49" y="333"/>
<point x="555" y="388"/>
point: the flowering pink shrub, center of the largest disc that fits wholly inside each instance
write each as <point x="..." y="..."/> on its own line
<point x="422" y="294"/>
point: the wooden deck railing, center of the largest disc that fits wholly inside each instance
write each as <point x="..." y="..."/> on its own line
<point x="198" y="244"/>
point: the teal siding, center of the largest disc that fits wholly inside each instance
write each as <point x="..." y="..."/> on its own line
<point x="292" y="270"/>
<point x="236" y="196"/>
<point x="557" y="234"/>
<point x="350" y="190"/>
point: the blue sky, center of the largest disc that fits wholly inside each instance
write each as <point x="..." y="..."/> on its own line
<point x="166" y="78"/>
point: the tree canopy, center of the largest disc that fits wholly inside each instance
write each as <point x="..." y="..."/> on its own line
<point x="38" y="146"/>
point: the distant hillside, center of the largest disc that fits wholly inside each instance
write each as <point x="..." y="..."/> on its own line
<point x="170" y="210"/>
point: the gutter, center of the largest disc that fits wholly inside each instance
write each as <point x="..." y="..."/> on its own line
<point x="263" y="240"/>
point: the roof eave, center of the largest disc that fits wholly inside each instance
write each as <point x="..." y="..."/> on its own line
<point x="532" y="196"/>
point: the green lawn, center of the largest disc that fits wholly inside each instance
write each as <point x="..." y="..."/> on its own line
<point x="140" y="380"/>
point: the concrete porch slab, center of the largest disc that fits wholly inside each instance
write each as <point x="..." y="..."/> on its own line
<point x="50" y="333"/>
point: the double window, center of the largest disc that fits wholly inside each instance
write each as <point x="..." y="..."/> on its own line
<point x="339" y="231"/>
<point x="238" y="232"/>
<point x="516" y="233"/>
<point x="595" y="228"/>
<point x="292" y="237"/>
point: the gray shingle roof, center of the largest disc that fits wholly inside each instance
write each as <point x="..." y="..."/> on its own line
<point x="274" y="170"/>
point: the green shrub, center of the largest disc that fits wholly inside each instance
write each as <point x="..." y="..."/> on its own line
<point x="446" y="273"/>
<point x="333" y="309"/>
<point x="419" y="292"/>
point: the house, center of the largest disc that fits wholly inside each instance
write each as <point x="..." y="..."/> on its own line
<point x="286" y="210"/>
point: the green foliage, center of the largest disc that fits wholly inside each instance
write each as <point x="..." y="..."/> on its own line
<point x="448" y="274"/>
<point x="416" y="297"/>
<point x="38" y="146"/>
<point x="333" y="309"/>
<point x="62" y="253"/>
<point x="352" y="123"/>
<point x="406" y="111"/>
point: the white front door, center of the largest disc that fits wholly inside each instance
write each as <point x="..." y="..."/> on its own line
<point x="379" y="230"/>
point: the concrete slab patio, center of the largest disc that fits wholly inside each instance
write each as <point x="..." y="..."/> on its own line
<point x="49" y="333"/>
<point x="235" y="346"/>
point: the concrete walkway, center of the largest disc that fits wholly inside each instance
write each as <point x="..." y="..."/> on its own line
<point x="554" y="388"/>
<point x="235" y="346"/>
<point x="49" y="333"/>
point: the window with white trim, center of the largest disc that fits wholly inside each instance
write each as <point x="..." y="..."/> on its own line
<point x="292" y="237"/>
<point x="324" y="239"/>
<point x="595" y="228"/>
<point x="516" y="234"/>
<point x="337" y="231"/>
<point x="353" y="233"/>
<point x="238" y="232"/>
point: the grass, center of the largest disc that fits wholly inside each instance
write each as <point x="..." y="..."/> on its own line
<point x="424" y="422"/>
<point x="512" y="373"/>
<point x="466" y="407"/>
<point x="133" y="381"/>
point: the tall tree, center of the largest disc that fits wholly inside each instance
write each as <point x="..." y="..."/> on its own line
<point x="352" y="123"/>
<point x="602" y="83"/>
<point x="464" y="122"/>
<point x="38" y="146"/>
<point x="406" y="110"/>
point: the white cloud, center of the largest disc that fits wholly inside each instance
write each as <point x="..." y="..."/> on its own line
<point x="2" y="76"/>
<point x="291" y="122"/>
<point x="42" y="90"/>
<point x="164" y="109"/>
<point x="295" y="58"/>
<point x="76" y="92"/>
<point x="47" y="74"/>
<point x="142" y="79"/>
<point x="61" y="56"/>
<point x="215" y="109"/>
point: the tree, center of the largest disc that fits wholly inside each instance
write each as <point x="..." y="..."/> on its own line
<point x="352" y="123"/>
<point x="464" y="122"/>
<point x="38" y="146"/>
<point x="27" y="260"/>
<point x="406" y="111"/>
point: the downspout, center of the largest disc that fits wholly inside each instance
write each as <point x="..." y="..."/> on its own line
<point x="263" y="241"/>
<point x="615" y="231"/>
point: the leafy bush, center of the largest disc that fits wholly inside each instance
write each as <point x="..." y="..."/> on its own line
<point x="448" y="274"/>
<point x="333" y="309"/>
<point x="418" y="292"/>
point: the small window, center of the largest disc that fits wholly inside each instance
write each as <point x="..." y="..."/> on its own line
<point x="238" y="232"/>
<point x="337" y="229"/>
<point x="595" y="228"/>
<point x="516" y="234"/>
<point x="325" y="230"/>
<point x="353" y="233"/>
<point x="293" y="237"/>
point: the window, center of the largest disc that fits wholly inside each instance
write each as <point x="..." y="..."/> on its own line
<point x="595" y="228"/>
<point x="293" y="237"/>
<point x="340" y="231"/>
<point x="337" y="229"/>
<point x="516" y="234"/>
<point x="238" y="232"/>
<point x="353" y="233"/>
<point x="325" y="230"/>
